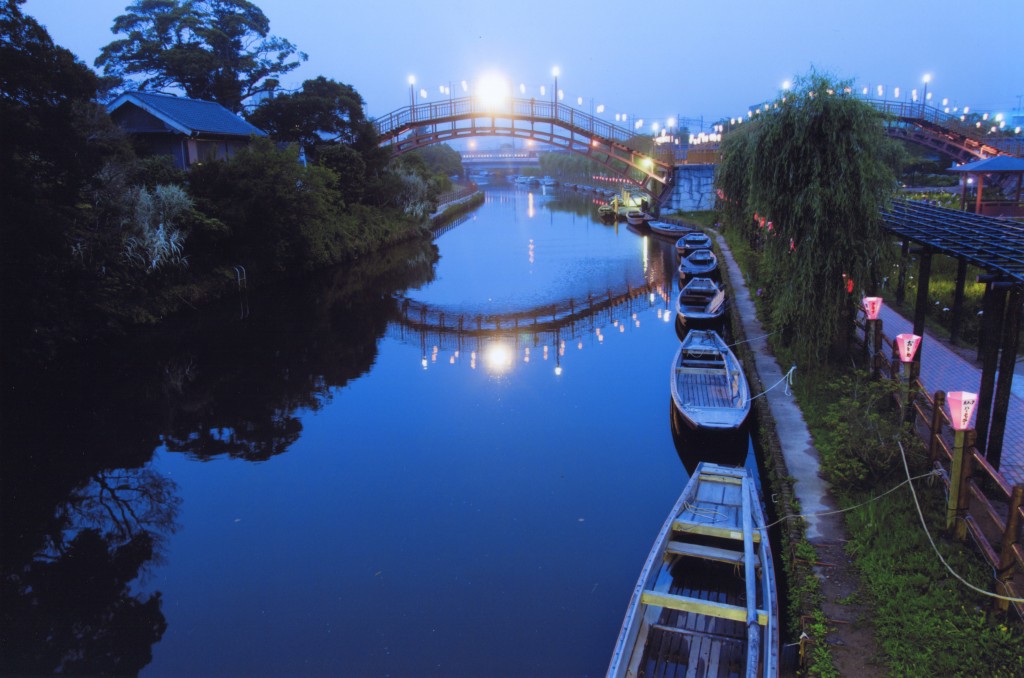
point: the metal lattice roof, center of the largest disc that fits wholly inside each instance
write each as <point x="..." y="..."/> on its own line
<point x="996" y="245"/>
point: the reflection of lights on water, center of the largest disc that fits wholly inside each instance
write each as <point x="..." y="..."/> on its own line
<point x="659" y="310"/>
<point x="451" y="361"/>
<point x="558" y="371"/>
<point x="424" y="362"/>
<point x="638" y="323"/>
<point x="531" y="250"/>
<point x="580" y="346"/>
<point x="529" y="209"/>
<point x="472" y="360"/>
<point x="652" y="301"/>
<point x="666" y="316"/>
<point x="622" y="328"/>
<point x="526" y="354"/>
<point x="561" y="348"/>
<point x="545" y="352"/>
<point x="498" y="358"/>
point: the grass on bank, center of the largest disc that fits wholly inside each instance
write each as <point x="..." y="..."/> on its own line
<point x="926" y="621"/>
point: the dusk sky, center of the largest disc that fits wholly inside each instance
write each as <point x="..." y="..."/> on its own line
<point x="647" y="60"/>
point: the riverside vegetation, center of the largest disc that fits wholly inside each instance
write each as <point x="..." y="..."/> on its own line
<point x="97" y="238"/>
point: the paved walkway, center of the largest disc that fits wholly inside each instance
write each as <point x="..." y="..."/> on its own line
<point x="943" y="369"/>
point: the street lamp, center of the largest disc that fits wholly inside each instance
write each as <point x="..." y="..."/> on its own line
<point x="554" y="92"/>
<point x="872" y="305"/>
<point x="924" y="100"/>
<point x="961" y="406"/>
<point x="412" y="91"/>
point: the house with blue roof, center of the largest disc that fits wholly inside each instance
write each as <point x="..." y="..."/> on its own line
<point x="188" y="130"/>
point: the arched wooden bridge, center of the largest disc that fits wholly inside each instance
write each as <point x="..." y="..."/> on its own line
<point x="622" y="152"/>
<point x="944" y="132"/>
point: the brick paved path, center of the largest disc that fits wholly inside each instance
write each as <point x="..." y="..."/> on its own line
<point x="944" y="370"/>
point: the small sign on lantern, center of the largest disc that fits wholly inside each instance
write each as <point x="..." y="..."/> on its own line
<point x="961" y="407"/>
<point x="907" y="345"/>
<point x="872" y="305"/>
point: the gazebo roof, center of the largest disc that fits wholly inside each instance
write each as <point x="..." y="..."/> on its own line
<point x="1000" y="163"/>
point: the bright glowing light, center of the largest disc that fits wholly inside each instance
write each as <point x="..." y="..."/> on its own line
<point x="639" y="123"/>
<point x="558" y="370"/>
<point x="423" y="93"/>
<point x="412" y="79"/>
<point x="543" y="92"/>
<point x="927" y="78"/>
<point x="655" y="126"/>
<point x="579" y="101"/>
<point x="786" y="84"/>
<point x="671" y="122"/>
<point x="498" y="358"/>
<point x="556" y="72"/>
<point x="600" y="108"/>
<point x="492" y="90"/>
<point x="522" y="88"/>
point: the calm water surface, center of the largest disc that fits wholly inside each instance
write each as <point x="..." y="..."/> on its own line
<point x="334" y="478"/>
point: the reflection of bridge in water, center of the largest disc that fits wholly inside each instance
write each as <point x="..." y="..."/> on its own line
<point x="545" y="327"/>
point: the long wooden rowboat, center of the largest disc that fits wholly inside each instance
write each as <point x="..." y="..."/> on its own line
<point x="705" y="603"/>
<point x="701" y="305"/>
<point x="708" y="385"/>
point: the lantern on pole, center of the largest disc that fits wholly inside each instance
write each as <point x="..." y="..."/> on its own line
<point x="906" y="345"/>
<point x="961" y="407"/>
<point x="872" y="305"/>
<point x="872" y="332"/>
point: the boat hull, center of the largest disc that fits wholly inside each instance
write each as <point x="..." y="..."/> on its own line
<point x="707" y="383"/>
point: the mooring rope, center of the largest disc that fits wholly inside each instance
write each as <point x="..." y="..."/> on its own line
<point x="787" y="378"/>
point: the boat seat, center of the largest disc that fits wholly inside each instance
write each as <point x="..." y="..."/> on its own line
<point x="680" y="548"/>
<point x="706" y="607"/>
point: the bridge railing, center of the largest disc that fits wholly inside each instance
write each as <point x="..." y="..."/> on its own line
<point x="904" y="110"/>
<point x="534" y="109"/>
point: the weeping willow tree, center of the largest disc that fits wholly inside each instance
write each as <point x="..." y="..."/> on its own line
<point x="808" y="178"/>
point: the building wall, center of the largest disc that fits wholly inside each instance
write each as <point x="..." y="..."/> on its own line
<point x="693" y="188"/>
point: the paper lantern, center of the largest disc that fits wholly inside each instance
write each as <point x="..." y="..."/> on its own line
<point x="872" y="305"/>
<point x="907" y="345"/>
<point x="961" y="407"/>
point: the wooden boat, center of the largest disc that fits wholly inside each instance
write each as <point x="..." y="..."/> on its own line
<point x="691" y="242"/>
<point x="668" y="230"/>
<point x="701" y="263"/>
<point x="701" y="305"/>
<point x="690" y="614"/>
<point x="708" y="385"/>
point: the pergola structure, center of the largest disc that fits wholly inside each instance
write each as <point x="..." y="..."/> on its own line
<point x="995" y="245"/>
<point x="997" y="167"/>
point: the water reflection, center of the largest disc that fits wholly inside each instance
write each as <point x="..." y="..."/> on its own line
<point x="84" y="514"/>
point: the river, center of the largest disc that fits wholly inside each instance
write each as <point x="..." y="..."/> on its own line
<point x="447" y="461"/>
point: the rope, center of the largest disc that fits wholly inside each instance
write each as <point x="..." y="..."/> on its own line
<point x="931" y="541"/>
<point x="763" y="336"/>
<point x="787" y="378"/>
<point x="851" y="508"/>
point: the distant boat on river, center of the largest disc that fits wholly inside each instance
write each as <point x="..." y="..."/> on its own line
<point x="705" y="603"/>
<point x="701" y="305"/>
<point x="700" y="263"/>
<point x="691" y="242"/>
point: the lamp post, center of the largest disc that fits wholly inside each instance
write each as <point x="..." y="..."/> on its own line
<point x="554" y="92"/>
<point x="412" y="91"/>
<point x="961" y="406"/>
<point x="906" y="347"/>
<point x="924" y="99"/>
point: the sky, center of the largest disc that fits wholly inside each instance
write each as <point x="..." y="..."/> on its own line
<point x="652" y="61"/>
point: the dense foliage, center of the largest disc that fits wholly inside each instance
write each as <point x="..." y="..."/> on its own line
<point x="218" y="50"/>
<point x="95" y="238"/>
<point x="808" y="180"/>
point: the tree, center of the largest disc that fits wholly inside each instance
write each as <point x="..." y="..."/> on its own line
<point x="810" y="179"/>
<point x="322" y="111"/>
<point x="219" y="50"/>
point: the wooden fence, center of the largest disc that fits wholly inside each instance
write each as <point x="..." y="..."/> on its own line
<point x="982" y="503"/>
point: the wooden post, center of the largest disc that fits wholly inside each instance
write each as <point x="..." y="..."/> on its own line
<point x="876" y="341"/>
<point x="936" y="429"/>
<point x="912" y="373"/>
<point x="977" y="202"/>
<point x="992" y="328"/>
<point x="1004" y="571"/>
<point x="921" y="304"/>
<point x="958" y="301"/>
<point x="1008" y="357"/>
<point x="957" y="475"/>
<point x="901" y="279"/>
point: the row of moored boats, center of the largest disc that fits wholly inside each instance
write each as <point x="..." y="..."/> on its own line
<point x="705" y="603"/>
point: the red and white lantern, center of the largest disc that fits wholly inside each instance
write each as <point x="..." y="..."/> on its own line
<point x="961" y="407"/>
<point x="907" y="345"/>
<point x="872" y="305"/>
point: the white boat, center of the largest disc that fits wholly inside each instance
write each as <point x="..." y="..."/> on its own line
<point x="705" y="603"/>
<point x="701" y="305"/>
<point x="667" y="229"/>
<point x="691" y="242"/>
<point x="549" y="181"/>
<point x="702" y="263"/>
<point x="636" y="217"/>
<point x="708" y="386"/>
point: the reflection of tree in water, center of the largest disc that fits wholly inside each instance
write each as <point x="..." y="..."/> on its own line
<point x="234" y="389"/>
<point x="81" y="512"/>
<point x="69" y="608"/>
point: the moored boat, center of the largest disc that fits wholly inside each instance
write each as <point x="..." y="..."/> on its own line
<point x="702" y="263"/>
<point x="636" y="217"/>
<point x="691" y="242"/>
<point x="689" y="613"/>
<point x="701" y="305"/>
<point x="708" y="385"/>
<point x="669" y="230"/>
